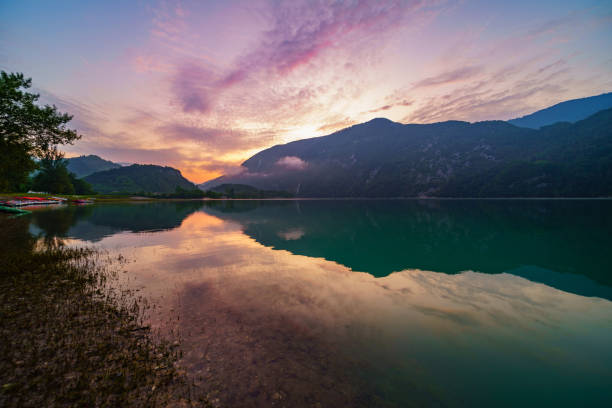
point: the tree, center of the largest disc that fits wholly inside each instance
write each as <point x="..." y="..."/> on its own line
<point x="27" y="131"/>
<point x="53" y="176"/>
<point x="81" y="187"/>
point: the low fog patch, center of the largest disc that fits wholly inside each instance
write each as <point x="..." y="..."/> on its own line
<point x="292" y="163"/>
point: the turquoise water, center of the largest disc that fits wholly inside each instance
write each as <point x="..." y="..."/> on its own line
<point x="373" y="302"/>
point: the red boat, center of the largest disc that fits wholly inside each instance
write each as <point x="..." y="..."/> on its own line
<point x="31" y="198"/>
<point x="25" y="200"/>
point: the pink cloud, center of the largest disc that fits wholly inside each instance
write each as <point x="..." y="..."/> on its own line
<point x="303" y="30"/>
<point x="300" y="33"/>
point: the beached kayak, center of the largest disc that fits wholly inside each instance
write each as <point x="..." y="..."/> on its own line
<point x="24" y="201"/>
<point x="14" y="210"/>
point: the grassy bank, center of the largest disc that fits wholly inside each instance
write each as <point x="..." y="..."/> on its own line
<point x="69" y="338"/>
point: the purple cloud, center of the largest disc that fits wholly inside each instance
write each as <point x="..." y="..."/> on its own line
<point x="190" y="85"/>
<point x="300" y="33"/>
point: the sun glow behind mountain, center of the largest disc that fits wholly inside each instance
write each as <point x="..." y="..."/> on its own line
<point x="201" y="86"/>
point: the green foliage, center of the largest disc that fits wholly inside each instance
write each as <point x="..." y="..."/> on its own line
<point x="212" y="194"/>
<point x="26" y="130"/>
<point x="180" y="192"/>
<point x="53" y="177"/>
<point x="139" y="179"/>
<point x="183" y="193"/>
<point x="246" y="191"/>
<point x="81" y="187"/>
<point x="15" y="166"/>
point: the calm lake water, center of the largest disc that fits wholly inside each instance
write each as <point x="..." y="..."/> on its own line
<point x="391" y="303"/>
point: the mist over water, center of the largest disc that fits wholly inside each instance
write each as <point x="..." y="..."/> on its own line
<point x="373" y="303"/>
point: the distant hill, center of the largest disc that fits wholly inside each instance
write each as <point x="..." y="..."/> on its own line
<point x="210" y="184"/>
<point x="381" y="158"/>
<point x="569" y="111"/>
<point x="85" y="165"/>
<point x="139" y="178"/>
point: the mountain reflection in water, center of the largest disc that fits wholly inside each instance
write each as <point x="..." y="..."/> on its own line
<point x="95" y="222"/>
<point x="562" y="243"/>
<point x="364" y="303"/>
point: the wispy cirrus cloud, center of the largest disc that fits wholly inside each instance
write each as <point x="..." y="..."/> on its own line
<point x="449" y="77"/>
<point x="391" y="105"/>
<point x="336" y="123"/>
<point x="485" y="99"/>
<point x="220" y="140"/>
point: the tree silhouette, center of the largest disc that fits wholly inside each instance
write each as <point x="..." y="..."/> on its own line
<point x="27" y="131"/>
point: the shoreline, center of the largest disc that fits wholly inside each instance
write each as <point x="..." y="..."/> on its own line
<point x="71" y="338"/>
<point x="135" y="198"/>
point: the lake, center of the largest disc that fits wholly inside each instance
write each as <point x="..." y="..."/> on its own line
<point x="390" y="303"/>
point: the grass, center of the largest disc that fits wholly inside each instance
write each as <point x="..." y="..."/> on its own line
<point x="71" y="338"/>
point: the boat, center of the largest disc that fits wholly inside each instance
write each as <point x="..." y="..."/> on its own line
<point x="14" y="210"/>
<point x="26" y="200"/>
<point x="83" y="201"/>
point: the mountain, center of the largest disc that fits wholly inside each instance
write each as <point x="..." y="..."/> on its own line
<point x="381" y="158"/>
<point x="568" y="111"/>
<point x="85" y="165"/>
<point x="139" y="178"/>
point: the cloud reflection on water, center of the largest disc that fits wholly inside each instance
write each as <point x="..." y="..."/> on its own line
<point x="264" y="325"/>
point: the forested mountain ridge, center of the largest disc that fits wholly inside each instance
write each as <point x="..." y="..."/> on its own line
<point x="139" y="178"/>
<point x="83" y="166"/>
<point x="567" y="111"/>
<point x="381" y="158"/>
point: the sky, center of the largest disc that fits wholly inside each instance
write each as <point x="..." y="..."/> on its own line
<point x="203" y="85"/>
